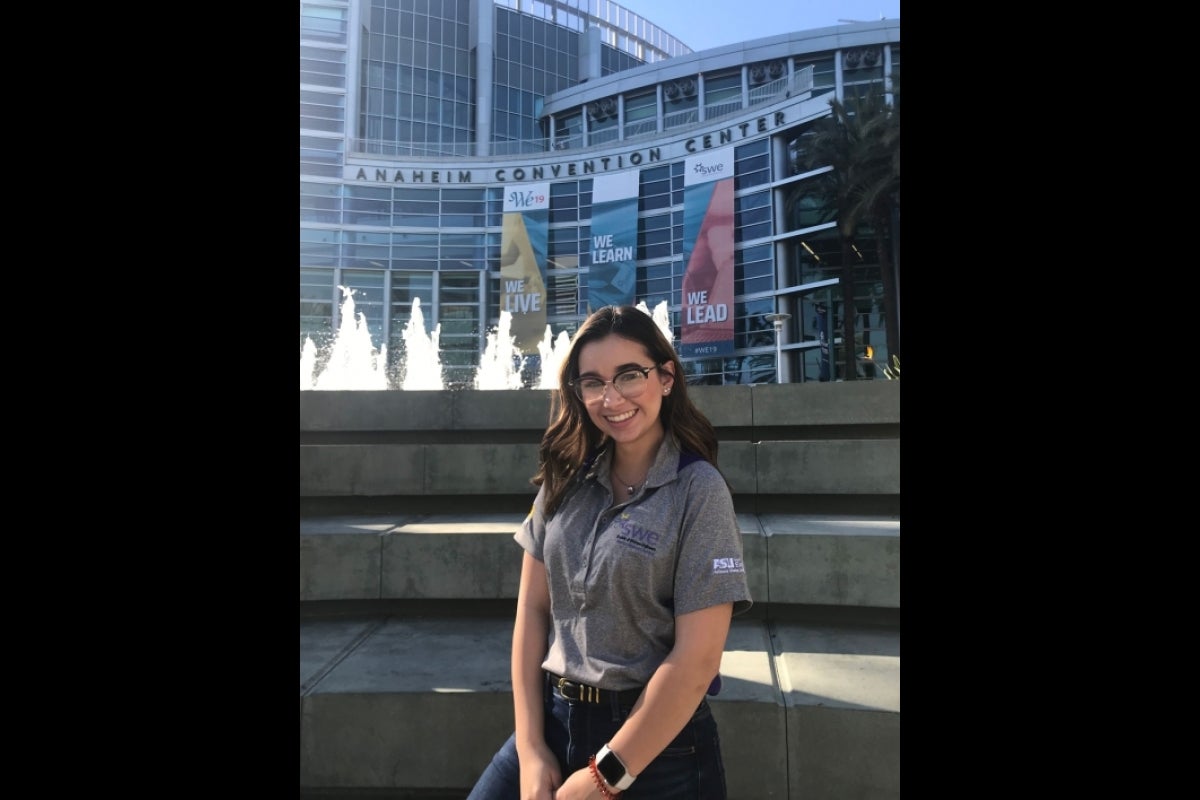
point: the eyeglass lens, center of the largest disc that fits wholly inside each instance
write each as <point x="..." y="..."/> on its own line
<point x="629" y="384"/>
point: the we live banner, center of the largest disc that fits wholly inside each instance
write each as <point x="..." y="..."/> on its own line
<point x="706" y="314"/>
<point x="523" y="263"/>
<point x="612" y="278"/>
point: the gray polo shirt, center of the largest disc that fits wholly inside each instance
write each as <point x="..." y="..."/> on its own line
<point x="619" y="577"/>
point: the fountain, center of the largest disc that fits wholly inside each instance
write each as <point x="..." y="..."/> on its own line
<point x="552" y="352"/>
<point x="501" y="362"/>
<point x="662" y="316"/>
<point x="355" y="364"/>
<point x="422" y="362"/>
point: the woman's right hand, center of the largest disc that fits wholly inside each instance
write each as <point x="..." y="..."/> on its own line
<point x="540" y="776"/>
<point x="581" y="785"/>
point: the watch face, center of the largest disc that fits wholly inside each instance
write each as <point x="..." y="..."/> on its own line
<point x="611" y="768"/>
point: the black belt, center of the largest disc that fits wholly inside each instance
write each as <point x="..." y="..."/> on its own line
<point x="582" y="693"/>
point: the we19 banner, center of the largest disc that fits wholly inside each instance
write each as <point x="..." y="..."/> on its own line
<point x="523" y="263"/>
<point x="706" y="313"/>
<point x="612" y="277"/>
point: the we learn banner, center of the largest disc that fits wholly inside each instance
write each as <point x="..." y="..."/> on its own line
<point x="612" y="277"/>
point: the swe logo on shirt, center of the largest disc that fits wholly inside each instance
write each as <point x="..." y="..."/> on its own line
<point x="722" y="566"/>
<point x="631" y="534"/>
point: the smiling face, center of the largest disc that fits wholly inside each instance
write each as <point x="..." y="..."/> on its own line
<point x="627" y="420"/>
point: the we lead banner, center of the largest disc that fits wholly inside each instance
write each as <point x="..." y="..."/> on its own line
<point x="706" y="313"/>
<point x="523" y="263"/>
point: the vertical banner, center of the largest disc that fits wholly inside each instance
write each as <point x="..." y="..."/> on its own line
<point x="523" y="263"/>
<point x="612" y="278"/>
<point x="706" y="312"/>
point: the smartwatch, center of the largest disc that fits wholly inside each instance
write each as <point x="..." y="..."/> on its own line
<point x="612" y="769"/>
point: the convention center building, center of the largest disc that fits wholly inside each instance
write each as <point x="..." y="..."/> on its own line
<point x="547" y="157"/>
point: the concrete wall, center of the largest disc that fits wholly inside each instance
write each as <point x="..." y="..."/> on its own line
<point x="807" y="447"/>
<point x="409" y="572"/>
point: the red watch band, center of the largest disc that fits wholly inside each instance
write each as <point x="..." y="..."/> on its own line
<point x="600" y="784"/>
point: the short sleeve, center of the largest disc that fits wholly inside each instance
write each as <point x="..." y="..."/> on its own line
<point x="710" y="569"/>
<point x="532" y="533"/>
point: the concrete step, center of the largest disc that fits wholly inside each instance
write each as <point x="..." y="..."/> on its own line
<point x="409" y="575"/>
<point x="802" y="559"/>
<point x="790" y="448"/>
<point x="415" y="697"/>
<point x="405" y="635"/>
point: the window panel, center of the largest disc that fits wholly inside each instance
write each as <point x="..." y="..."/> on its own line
<point x="316" y="306"/>
<point x="320" y="202"/>
<point x="366" y="212"/>
<point x="564" y="202"/>
<point x="749" y="233"/>
<point x="723" y="92"/>
<point x="564" y="242"/>
<point x="415" y="207"/>
<point x="655" y="189"/>
<point x="655" y="250"/>
<point x="654" y="237"/>
<point x="463" y="250"/>
<point x="322" y="23"/>
<point x="752" y="165"/>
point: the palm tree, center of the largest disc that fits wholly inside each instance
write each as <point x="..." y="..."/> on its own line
<point x="876" y="191"/>
<point x="827" y="144"/>
<point x="860" y="142"/>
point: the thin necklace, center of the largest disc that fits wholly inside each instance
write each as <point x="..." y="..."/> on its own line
<point x="629" y="487"/>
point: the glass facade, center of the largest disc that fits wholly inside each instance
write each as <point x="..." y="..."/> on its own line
<point x="383" y="218"/>
<point x="417" y="82"/>
<point x="533" y="58"/>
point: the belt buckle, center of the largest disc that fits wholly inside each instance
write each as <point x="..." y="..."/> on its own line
<point x="562" y="685"/>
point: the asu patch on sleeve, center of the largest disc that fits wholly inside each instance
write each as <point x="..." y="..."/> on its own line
<point x="723" y="566"/>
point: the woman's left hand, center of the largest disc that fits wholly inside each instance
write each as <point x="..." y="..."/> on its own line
<point x="580" y="786"/>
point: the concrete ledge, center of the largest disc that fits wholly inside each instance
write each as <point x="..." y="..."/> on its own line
<point x="361" y="469"/>
<point x="340" y="559"/>
<point x="468" y="557"/>
<point x="480" y="469"/>
<point x="797" y="440"/>
<point x="840" y="466"/>
<point x="404" y="703"/>
<point x="838" y="403"/>
<point x="739" y="465"/>
<point x="375" y="411"/>
<point x="836" y="561"/>
<point x="750" y="714"/>
<point x="806" y="710"/>
<point x="790" y="558"/>
<point x="754" y="556"/>
<point x="380" y="469"/>
<point x="395" y="410"/>
<point x="825" y="671"/>
<point x="837" y="466"/>
<point x="744" y="406"/>
<point x="725" y="406"/>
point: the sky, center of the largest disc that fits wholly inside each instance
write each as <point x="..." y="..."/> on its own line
<point x="702" y="24"/>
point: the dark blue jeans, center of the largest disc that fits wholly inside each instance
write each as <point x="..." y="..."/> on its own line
<point x="690" y="768"/>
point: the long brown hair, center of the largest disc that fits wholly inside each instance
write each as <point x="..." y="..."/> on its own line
<point x="572" y="436"/>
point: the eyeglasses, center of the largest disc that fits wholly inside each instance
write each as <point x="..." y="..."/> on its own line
<point x="629" y="384"/>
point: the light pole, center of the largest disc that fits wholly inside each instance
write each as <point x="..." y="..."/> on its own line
<point x="777" y="320"/>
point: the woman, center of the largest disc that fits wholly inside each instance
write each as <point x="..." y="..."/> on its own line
<point x="632" y="570"/>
